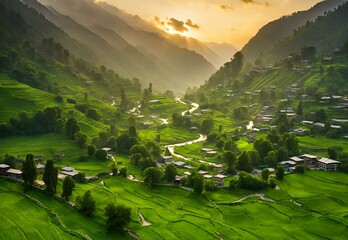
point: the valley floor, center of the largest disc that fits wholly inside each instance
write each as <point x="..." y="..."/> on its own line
<point x="309" y="206"/>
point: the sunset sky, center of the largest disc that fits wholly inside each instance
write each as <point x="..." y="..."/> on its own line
<point x="231" y="21"/>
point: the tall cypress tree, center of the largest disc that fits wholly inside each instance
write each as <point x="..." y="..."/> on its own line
<point x="50" y="177"/>
<point x="29" y="172"/>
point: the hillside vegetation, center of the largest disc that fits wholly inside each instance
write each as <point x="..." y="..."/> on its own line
<point x="280" y="29"/>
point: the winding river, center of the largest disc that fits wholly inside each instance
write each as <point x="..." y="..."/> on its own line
<point x="201" y="137"/>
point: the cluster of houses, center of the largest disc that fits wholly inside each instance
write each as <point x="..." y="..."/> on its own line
<point x="311" y="162"/>
<point x="6" y="170"/>
<point x="219" y="178"/>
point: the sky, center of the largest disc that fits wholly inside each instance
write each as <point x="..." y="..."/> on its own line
<point x="230" y="21"/>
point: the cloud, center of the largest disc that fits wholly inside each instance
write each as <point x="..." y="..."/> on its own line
<point x="255" y="2"/>
<point x="190" y="24"/>
<point x="225" y="7"/>
<point x="158" y="21"/>
<point x="177" y="25"/>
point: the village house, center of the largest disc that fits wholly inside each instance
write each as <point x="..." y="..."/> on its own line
<point x="68" y="171"/>
<point x="328" y="165"/>
<point x="219" y="179"/>
<point x="298" y="161"/>
<point x="310" y="160"/>
<point x="166" y="159"/>
<point x="14" y="173"/>
<point x="4" y="168"/>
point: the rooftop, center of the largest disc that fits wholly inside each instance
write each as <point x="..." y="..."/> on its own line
<point x="4" y="166"/>
<point x="328" y="161"/>
<point x="14" y="171"/>
<point x="68" y="169"/>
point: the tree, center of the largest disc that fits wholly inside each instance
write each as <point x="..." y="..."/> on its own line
<point x="210" y="185"/>
<point x="247" y="181"/>
<point x="123" y="172"/>
<point x="308" y="53"/>
<point x="152" y="176"/>
<point x="234" y="184"/>
<point x="146" y="163"/>
<point x="333" y="153"/>
<point x="263" y="146"/>
<point x="135" y="158"/>
<point x="80" y="139"/>
<point x="243" y="163"/>
<point x="170" y="173"/>
<point x="68" y="187"/>
<point x="265" y="174"/>
<point x="114" y="170"/>
<point x="141" y="149"/>
<point x="86" y="204"/>
<point x="132" y="131"/>
<point x="91" y="150"/>
<point x="282" y="154"/>
<point x="117" y="216"/>
<point x="299" y="110"/>
<point x="271" y="158"/>
<point x="93" y="113"/>
<point x="154" y="149"/>
<point x="207" y="125"/>
<point x="71" y="127"/>
<point x="254" y="158"/>
<point x="291" y="143"/>
<point x="29" y="172"/>
<point x="220" y="144"/>
<point x="198" y="183"/>
<point x="50" y="177"/>
<point x="280" y="172"/>
<point x="124" y="101"/>
<point x="230" y="159"/>
<point x="10" y="160"/>
<point x="299" y="169"/>
<point x="101" y="154"/>
<point x="235" y="65"/>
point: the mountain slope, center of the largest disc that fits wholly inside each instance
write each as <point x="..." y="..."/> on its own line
<point x="213" y="55"/>
<point x="277" y="30"/>
<point x="327" y="33"/>
<point x="180" y="67"/>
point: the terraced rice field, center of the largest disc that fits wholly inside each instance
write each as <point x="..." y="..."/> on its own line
<point x="310" y="206"/>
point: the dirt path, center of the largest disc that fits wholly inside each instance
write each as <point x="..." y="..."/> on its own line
<point x="144" y="223"/>
<point x="260" y="196"/>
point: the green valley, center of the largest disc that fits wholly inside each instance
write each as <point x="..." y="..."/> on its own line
<point x="96" y="143"/>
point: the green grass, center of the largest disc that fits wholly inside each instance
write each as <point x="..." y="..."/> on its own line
<point x="22" y="219"/>
<point x="319" y="144"/>
<point x="165" y="107"/>
<point x="44" y="145"/>
<point x="175" y="213"/>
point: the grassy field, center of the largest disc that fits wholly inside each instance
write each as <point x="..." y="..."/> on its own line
<point x="310" y="206"/>
<point x="22" y="219"/>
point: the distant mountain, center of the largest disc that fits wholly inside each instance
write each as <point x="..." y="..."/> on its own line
<point x="279" y="29"/>
<point x="211" y="51"/>
<point x="224" y="50"/>
<point x="326" y="33"/>
<point x="173" y="67"/>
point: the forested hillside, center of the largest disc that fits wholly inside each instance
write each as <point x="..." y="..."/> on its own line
<point x="140" y="53"/>
<point x="275" y="31"/>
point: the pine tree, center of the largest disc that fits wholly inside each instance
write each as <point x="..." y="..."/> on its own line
<point x="299" y="110"/>
<point x="50" y="177"/>
<point x="29" y="172"/>
<point x="86" y="204"/>
<point x="68" y="187"/>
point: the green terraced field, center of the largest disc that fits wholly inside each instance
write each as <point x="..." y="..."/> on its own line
<point x="309" y="206"/>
